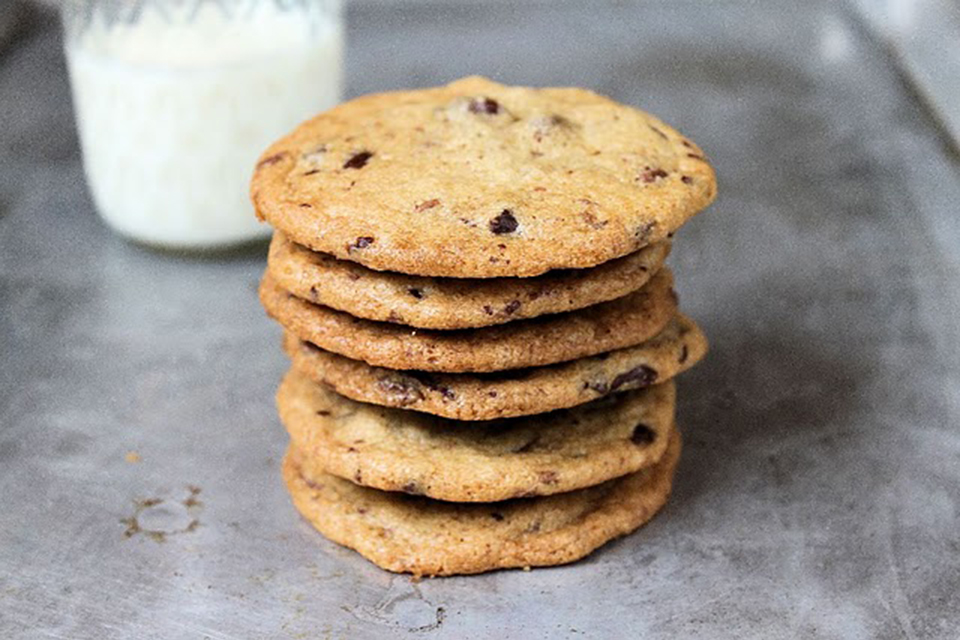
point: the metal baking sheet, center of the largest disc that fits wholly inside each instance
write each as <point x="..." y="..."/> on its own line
<point x="819" y="491"/>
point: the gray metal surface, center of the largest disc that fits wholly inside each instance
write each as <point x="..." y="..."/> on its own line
<point x="819" y="492"/>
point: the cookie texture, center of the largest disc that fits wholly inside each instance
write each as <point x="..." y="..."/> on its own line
<point x="453" y="303"/>
<point x="506" y="394"/>
<point x="526" y="343"/>
<point x="420" y="454"/>
<point x="410" y="534"/>
<point x="479" y="180"/>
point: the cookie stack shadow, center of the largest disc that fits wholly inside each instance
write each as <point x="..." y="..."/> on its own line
<point x="452" y="425"/>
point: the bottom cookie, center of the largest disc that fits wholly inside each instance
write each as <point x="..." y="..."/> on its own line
<point x="410" y="534"/>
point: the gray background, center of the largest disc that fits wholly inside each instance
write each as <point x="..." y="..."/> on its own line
<point x="818" y="494"/>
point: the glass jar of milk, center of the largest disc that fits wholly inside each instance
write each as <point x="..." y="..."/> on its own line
<point x="175" y="99"/>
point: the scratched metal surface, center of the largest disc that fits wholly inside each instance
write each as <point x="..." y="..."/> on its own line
<point x="818" y="493"/>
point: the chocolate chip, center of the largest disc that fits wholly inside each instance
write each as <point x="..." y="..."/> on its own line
<point x="644" y="231"/>
<point x="273" y="159"/>
<point x="322" y="412"/>
<point x="358" y="477"/>
<point x="311" y="172"/>
<point x="487" y="309"/>
<point x="649" y="175"/>
<point x="640" y="376"/>
<point x="511" y="307"/>
<point x="352" y="449"/>
<point x="642" y="434"/>
<point x="361" y="510"/>
<point x="492" y="394"/>
<point x="361" y="243"/>
<point x="395" y="318"/>
<point x="600" y="386"/>
<point x="427" y="204"/>
<point x="687" y="144"/>
<point x="497" y="516"/>
<point x="431" y="383"/>
<point x="548" y="477"/>
<point x="658" y="132"/>
<point x="358" y="160"/>
<point x="401" y="389"/>
<point x="695" y="156"/>
<point x="484" y="105"/>
<point x="306" y="205"/>
<point x="504" y="223"/>
<point x="412" y="488"/>
<point x="416" y="293"/>
<point x="684" y="353"/>
<point x="686" y="179"/>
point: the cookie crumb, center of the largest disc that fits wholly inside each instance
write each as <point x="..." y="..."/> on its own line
<point x="132" y="457"/>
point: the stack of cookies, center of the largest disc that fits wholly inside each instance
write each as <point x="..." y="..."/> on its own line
<point x="482" y="331"/>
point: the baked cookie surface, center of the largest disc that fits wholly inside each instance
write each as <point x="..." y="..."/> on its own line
<point x="453" y="303"/>
<point x="505" y="394"/>
<point x="410" y="534"/>
<point x="420" y="454"/>
<point x="479" y="180"/>
<point x="526" y="343"/>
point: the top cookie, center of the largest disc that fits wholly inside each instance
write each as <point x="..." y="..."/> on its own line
<point x="481" y="180"/>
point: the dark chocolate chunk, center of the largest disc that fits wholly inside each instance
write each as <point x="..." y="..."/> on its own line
<point x="274" y="159"/>
<point x="361" y="243"/>
<point x="401" y="389"/>
<point x="642" y="434"/>
<point x="640" y="376"/>
<point x="511" y="307"/>
<point x="644" y="231"/>
<point x="497" y="516"/>
<point x="548" y="477"/>
<point x="322" y="412"/>
<point x="416" y="293"/>
<point x="412" y="488"/>
<point x="358" y="160"/>
<point x="484" y="105"/>
<point x="431" y="383"/>
<point x="651" y="175"/>
<point x="658" y="132"/>
<point x="686" y="179"/>
<point x="600" y="386"/>
<point x="504" y="223"/>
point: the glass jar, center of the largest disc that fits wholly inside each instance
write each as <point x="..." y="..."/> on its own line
<point x="175" y="99"/>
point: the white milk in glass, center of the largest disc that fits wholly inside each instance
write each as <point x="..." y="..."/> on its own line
<point x="172" y="114"/>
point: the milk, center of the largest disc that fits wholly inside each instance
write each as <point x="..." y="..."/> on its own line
<point x="173" y="116"/>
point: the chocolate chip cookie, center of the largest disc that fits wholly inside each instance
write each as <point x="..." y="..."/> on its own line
<point x="420" y="454"/>
<point x="453" y="303"/>
<point x="421" y="536"/>
<point x="526" y="343"/>
<point x="505" y="394"/>
<point x="480" y="180"/>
